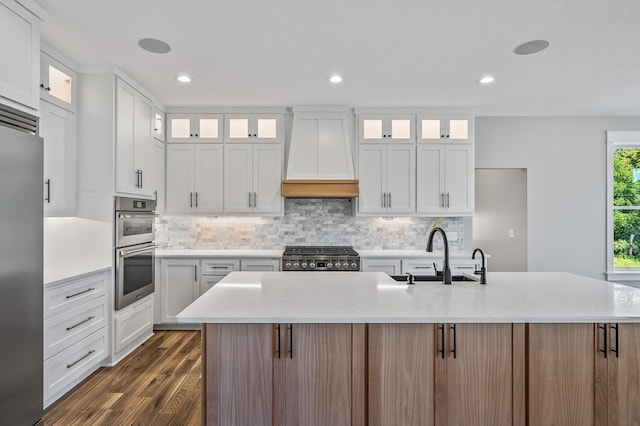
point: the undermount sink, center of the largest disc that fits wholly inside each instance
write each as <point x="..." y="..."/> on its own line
<point x="436" y="278"/>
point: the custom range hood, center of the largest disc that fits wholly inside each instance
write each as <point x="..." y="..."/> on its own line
<point x="320" y="162"/>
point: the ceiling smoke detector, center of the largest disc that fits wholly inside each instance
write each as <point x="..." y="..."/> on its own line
<point x="154" y="45"/>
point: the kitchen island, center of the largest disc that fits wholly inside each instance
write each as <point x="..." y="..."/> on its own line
<point x="359" y="348"/>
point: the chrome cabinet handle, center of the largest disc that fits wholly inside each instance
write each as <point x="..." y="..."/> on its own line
<point x="447" y="200"/>
<point x="196" y="200"/>
<point x="71" y="296"/>
<point x="442" y="199"/>
<point x="249" y="199"/>
<point x="140" y="178"/>
<point x="80" y="323"/>
<point x="389" y="200"/>
<point x="78" y="360"/>
<point x="195" y="273"/>
<point x="384" y="199"/>
<point x="255" y="200"/>
<point x="191" y="199"/>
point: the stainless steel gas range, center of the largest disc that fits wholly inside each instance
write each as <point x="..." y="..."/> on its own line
<point x="320" y="258"/>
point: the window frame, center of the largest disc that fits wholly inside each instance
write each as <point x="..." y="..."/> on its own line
<point x="616" y="140"/>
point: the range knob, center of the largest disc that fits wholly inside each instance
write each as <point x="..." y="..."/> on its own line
<point x="287" y="265"/>
<point x="345" y="265"/>
<point x="304" y="265"/>
<point x="312" y="265"/>
<point x="337" y="265"/>
<point x="296" y="265"/>
<point x="329" y="265"/>
<point x="354" y="266"/>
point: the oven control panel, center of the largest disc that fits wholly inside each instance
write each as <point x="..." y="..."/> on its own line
<point x="323" y="264"/>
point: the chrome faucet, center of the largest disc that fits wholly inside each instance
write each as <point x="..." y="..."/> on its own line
<point x="446" y="273"/>
<point x="483" y="270"/>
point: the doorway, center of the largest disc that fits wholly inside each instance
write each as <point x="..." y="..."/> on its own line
<point x="500" y="220"/>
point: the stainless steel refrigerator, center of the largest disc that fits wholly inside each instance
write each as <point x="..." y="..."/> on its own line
<point x="21" y="275"/>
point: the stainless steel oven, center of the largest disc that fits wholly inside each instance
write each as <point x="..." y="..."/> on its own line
<point x="134" y="249"/>
<point x="135" y="271"/>
<point x="135" y="220"/>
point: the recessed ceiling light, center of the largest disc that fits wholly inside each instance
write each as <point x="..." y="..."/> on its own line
<point x="154" y="45"/>
<point x="184" y="78"/>
<point x="531" y="47"/>
<point x="487" y="79"/>
<point x="335" y="79"/>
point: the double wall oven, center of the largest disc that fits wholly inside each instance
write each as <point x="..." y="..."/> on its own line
<point x="134" y="249"/>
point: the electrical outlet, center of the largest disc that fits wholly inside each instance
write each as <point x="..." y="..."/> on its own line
<point x="512" y="233"/>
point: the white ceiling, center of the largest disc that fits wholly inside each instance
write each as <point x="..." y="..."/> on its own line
<point x="392" y="53"/>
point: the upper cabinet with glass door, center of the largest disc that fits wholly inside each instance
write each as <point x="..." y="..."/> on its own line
<point x="158" y="128"/>
<point x="193" y="128"/>
<point x="438" y="128"/>
<point x="399" y="128"/>
<point x="253" y="128"/>
<point x="57" y="83"/>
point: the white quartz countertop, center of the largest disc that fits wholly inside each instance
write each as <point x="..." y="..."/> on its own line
<point x="417" y="254"/>
<point x="74" y="247"/>
<point x="218" y="253"/>
<point x="373" y="297"/>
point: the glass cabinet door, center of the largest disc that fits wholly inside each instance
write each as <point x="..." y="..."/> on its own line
<point x="57" y="83"/>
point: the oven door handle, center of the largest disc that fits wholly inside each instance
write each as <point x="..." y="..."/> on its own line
<point x="128" y="252"/>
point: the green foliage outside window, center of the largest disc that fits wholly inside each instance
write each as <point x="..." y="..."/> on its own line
<point x="626" y="221"/>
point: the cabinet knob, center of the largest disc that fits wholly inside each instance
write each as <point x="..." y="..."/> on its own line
<point x="41" y="86"/>
<point x="447" y="135"/>
<point x="191" y="135"/>
<point x="196" y="135"/>
<point x="442" y="136"/>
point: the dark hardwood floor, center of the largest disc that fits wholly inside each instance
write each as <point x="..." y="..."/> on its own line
<point x="158" y="384"/>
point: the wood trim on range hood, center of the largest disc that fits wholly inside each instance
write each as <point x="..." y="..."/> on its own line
<point x="320" y="188"/>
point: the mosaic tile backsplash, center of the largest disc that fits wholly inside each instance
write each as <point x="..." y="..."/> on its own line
<point x="305" y="222"/>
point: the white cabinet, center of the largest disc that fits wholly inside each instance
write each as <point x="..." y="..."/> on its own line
<point x="131" y="327"/>
<point x="386" y="128"/>
<point x="20" y="63"/>
<point x="260" y="265"/>
<point x="213" y="270"/>
<point x="158" y="128"/>
<point x="194" y="128"/>
<point x="387" y="175"/>
<point x="134" y="172"/>
<point x="58" y="131"/>
<point x="158" y="181"/>
<point x="253" y="128"/>
<point x="445" y="180"/>
<point x="438" y="128"/>
<point x="388" y="266"/>
<point x="75" y="333"/>
<point x="194" y="178"/>
<point x="57" y="83"/>
<point x="179" y="286"/>
<point x="252" y="178"/>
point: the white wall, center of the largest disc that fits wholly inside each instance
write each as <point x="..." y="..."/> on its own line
<point x="566" y="183"/>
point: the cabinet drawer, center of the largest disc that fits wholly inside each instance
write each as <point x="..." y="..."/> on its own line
<point x="208" y="281"/>
<point x="67" y="328"/>
<point x="217" y="267"/>
<point x="133" y="324"/>
<point x="74" y="293"/>
<point x="64" y="370"/>
<point x="260" y="265"/>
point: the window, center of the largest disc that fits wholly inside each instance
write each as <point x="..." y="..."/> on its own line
<point x="623" y="197"/>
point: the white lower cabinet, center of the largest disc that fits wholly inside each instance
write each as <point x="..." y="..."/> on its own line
<point x="76" y="334"/>
<point x="260" y="264"/>
<point x="179" y="286"/>
<point x="213" y="270"/>
<point x="131" y="327"/>
<point x="389" y="266"/>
